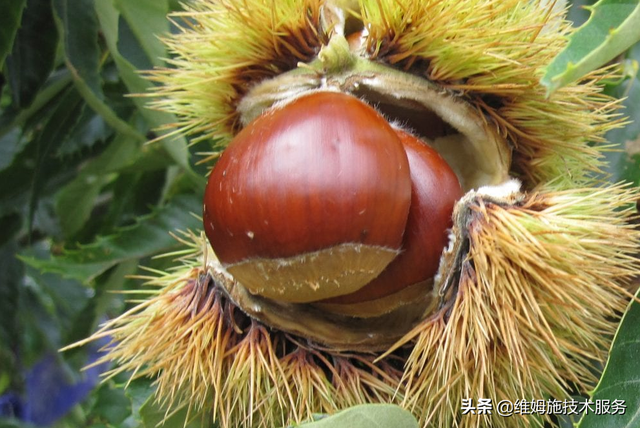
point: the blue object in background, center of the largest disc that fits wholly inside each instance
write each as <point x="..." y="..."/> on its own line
<point x="11" y="406"/>
<point x="49" y="394"/>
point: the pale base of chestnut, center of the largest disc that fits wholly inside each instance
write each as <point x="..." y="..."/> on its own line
<point x="383" y="305"/>
<point x="336" y="271"/>
<point x="322" y="328"/>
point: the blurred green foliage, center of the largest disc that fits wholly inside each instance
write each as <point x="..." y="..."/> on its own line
<point x="83" y="198"/>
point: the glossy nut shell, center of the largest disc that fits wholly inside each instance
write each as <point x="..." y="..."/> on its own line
<point x="310" y="200"/>
<point x="435" y="190"/>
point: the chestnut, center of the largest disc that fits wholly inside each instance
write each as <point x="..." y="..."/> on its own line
<point x="434" y="192"/>
<point x="310" y="200"/>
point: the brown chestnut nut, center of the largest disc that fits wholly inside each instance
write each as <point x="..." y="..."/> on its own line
<point x="310" y="200"/>
<point x="435" y="190"/>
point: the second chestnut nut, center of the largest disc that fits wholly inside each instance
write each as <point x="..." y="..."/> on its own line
<point x="314" y="199"/>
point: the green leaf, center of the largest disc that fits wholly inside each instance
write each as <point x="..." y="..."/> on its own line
<point x="77" y="199"/>
<point x="79" y="29"/>
<point x="139" y="392"/>
<point x="17" y="184"/>
<point x="34" y="51"/>
<point x="56" y="84"/>
<point x="154" y="416"/>
<point x="148" y="21"/>
<point x="48" y="307"/>
<point x="101" y="302"/>
<point x="9" y="23"/>
<point x="10" y="146"/>
<point x="54" y="133"/>
<point x="21" y="140"/>
<point x="14" y="423"/>
<point x="613" y="27"/>
<point x="5" y="379"/>
<point x="621" y="377"/>
<point x="624" y="162"/>
<point x="11" y="271"/>
<point x="110" y="21"/>
<point x="368" y="416"/>
<point x="111" y="404"/>
<point x="148" y="237"/>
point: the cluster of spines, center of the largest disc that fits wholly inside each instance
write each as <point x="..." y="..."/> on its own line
<point x="488" y="53"/>
<point x="491" y="54"/>
<point x="536" y="305"/>
<point x="209" y="357"/>
<point x="539" y="296"/>
<point x="224" y="47"/>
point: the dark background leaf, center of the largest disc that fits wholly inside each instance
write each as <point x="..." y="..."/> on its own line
<point x="33" y="54"/>
<point x="624" y="163"/>
<point x="9" y="23"/>
<point x="150" y="235"/>
<point x="79" y="29"/>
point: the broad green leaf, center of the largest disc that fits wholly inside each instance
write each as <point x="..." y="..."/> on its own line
<point x="621" y="377"/>
<point x="130" y="48"/>
<point x="23" y="140"/>
<point x="613" y="27"/>
<point x="90" y="131"/>
<point x="110" y="21"/>
<point x="33" y="54"/>
<point x="9" y="23"/>
<point x="78" y="26"/>
<point x="9" y="147"/>
<point x="56" y="84"/>
<point x="148" y="237"/>
<point x="138" y="391"/>
<point x="79" y="29"/>
<point x="11" y="271"/>
<point x="132" y="193"/>
<point x="154" y="416"/>
<point x="54" y="133"/>
<point x="368" y="416"/>
<point x="623" y="164"/>
<point x="77" y="199"/>
<point x="102" y="303"/>
<point x="111" y="405"/>
<point x="48" y="307"/>
<point x="152" y="157"/>
<point x="175" y="5"/>
<point x="572" y="419"/>
<point x="17" y="184"/>
<point x="5" y="374"/>
<point x="148" y="21"/>
<point x="14" y="423"/>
